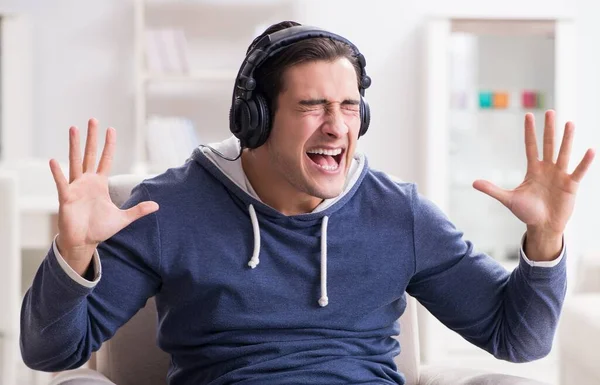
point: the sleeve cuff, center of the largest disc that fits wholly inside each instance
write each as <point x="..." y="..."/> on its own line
<point x="552" y="263"/>
<point x="73" y="274"/>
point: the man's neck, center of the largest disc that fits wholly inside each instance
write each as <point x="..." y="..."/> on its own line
<point x="274" y="190"/>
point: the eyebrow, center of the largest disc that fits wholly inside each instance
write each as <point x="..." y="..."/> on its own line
<point x="317" y="102"/>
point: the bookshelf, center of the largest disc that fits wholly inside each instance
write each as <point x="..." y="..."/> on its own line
<point x="465" y="138"/>
<point x="187" y="54"/>
<point x="528" y="62"/>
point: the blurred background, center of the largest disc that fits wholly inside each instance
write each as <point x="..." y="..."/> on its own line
<point x="452" y="81"/>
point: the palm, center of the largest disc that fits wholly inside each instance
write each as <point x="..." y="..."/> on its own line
<point x="87" y="215"/>
<point x="546" y="198"/>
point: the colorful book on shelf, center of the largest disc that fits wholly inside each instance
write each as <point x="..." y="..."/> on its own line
<point x="500" y="99"/>
<point x="166" y="51"/>
<point x="485" y="99"/>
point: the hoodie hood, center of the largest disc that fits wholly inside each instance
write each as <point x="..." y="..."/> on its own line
<point x="231" y="174"/>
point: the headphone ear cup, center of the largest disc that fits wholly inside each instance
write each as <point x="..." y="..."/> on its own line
<point x="260" y="134"/>
<point x="365" y="116"/>
<point x="240" y="120"/>
<point x="234" y="124"/>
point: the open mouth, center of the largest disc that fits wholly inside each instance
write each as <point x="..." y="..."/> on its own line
<point x="328" y="159"/>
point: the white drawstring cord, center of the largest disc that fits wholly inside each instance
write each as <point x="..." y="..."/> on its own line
<point x="254" y="261"/>
<point x="324" y="300"/>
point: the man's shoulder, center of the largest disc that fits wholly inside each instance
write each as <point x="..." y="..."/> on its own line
<point x="390" y="183"/>
<point x="178" y="181"/>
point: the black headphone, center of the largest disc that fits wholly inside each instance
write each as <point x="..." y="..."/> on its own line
<point x="249" y="116"/>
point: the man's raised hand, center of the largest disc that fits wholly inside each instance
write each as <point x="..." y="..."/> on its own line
<point x="87" y="216"/>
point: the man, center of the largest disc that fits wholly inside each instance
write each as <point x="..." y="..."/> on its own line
<point x="282" y="257"/>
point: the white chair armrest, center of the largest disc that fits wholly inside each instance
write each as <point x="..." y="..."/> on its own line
<point x="439" y="375"/>
<point x="82" y="376"/>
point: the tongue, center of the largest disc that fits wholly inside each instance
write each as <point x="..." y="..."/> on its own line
<point x="323" y="160"/>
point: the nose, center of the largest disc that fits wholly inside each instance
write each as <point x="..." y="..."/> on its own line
<point x="335" y="126"/>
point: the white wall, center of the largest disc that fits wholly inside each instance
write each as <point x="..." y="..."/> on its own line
<point x="84" y="67"/>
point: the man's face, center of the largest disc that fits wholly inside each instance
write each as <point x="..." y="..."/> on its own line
<point x="315" y="127"/>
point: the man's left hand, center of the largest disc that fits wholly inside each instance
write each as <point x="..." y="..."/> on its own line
<point x="545" y="199"/>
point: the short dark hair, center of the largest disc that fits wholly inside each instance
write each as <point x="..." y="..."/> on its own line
<point x="269" y="76"/>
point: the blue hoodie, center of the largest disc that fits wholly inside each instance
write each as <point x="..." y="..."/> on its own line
<point x="245" y="293"/>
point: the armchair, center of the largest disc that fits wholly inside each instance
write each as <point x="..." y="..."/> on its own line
<point x="579" y="332"/>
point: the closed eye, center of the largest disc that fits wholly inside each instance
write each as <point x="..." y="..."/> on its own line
<point x="351" y="107"/>
<point x="325" y="102"/>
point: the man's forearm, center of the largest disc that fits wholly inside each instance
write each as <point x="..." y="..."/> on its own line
<point x="542" y="246"/>
<point x="54" y="320"/>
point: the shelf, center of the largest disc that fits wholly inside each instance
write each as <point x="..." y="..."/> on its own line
<point x="544" y="28"/>
<point x="207" y="82"/>
<point x="509" y="110"/>
<point x="219" y="10"/>
<point x="194" y="76"/>
<point x="232" y="19"/>
<point x="32" y="204"/>
<point x="188" y="64"/>
<point x="216" y="3"/>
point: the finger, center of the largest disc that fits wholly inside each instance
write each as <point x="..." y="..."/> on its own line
<point x="565" y="147"/>
<point x="140" y="210"/>
<point x="549" y="136"/>
<point x="74" y="154"/>
<point x="488" y="188"/>
<point x="89" y="159"/>
<point x="531" y="149"/>
<point x="108" y="152"/>
<point x="583" y="166"/>
<point x="59" y="178"/>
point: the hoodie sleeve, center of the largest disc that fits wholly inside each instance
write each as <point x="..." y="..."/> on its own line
<point x="63" y="321"/>
<point x="513" y="315"/>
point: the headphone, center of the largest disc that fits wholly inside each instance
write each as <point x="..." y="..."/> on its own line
<point x="249" y="115"/>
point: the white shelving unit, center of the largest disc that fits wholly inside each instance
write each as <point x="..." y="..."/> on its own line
<point x="216" y="35"/>
<point x="16" y="90"/>
<point x="468" y="143"/>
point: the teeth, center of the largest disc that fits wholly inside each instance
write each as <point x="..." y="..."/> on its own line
<point x="324" y="151"/>
<point x="329" y="168"/>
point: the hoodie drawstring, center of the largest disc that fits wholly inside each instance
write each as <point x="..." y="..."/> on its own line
<point x="324" y="300"/>
<point x="254" y="261"/>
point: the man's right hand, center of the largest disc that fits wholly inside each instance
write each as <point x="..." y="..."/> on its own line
<point x="86" y="215"/>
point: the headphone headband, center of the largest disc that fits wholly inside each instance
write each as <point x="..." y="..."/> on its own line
<point x="269" y="45"/>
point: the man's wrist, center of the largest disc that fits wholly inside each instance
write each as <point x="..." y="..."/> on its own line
<point x="79" y="259"/>
<point x="542" y="245"/>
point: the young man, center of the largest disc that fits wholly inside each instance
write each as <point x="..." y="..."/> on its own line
<point x="289" y="264"/>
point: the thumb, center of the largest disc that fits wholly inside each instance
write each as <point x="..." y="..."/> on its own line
<point x="488" y="188"/>
<point x="140" y="210"/>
